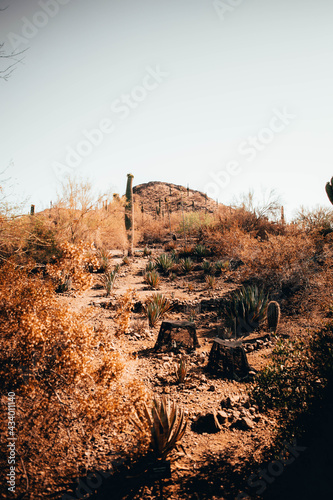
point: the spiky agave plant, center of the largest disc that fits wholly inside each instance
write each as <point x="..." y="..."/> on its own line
<point x="155" y="308"/>
<point x="152" y="279"/>
<point x="186" y="265"/>
<point x="108" y="279"/>
<point x="246" y="309"/>
<point x="164" y="263"/>
<point x="167" y="424"/>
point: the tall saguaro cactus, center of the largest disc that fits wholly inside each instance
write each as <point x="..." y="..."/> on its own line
<point x="129" y="213"/>
<point x="329" y="190"/>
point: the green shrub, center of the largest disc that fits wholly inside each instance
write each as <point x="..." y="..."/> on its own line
<point x="152" y="279"/>
<point x="207" y="267"/>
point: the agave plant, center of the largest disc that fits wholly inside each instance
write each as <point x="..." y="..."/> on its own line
<point x="108" y="279"/>
<point x="155" y="308"/>
<point x="152" y="279"/>
<point x="221" y="266"/>
<point x="167" y="424"/>
<point x="200" y="251"/>
<point x="246" y="309"/>
<point x="164" y="263"/>
<point x="150" y="266"/>
<point x="207" y="267"/>
<point x="103" y="259"/>
<point x="186" y="265"/>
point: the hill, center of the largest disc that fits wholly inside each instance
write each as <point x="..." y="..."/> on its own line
<point x="155" y="195"/>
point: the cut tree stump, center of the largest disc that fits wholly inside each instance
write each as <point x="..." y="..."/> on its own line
<point x="183" y="332"/>
<point x="228" y="359"/>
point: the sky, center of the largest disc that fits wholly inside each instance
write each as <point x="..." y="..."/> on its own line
<point x="225" y="96"/>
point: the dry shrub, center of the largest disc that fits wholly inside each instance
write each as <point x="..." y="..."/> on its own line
<point x="124" y="310"/>
<point x="283" y="263"/>
<point x="74" y="393"/>
<point x="70" y="269"/>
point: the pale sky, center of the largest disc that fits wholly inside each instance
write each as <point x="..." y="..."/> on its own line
<point x="225" y="96"/>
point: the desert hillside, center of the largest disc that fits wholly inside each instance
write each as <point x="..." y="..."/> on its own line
<point x="154" y="194"/>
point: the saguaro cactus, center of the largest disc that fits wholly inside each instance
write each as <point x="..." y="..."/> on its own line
<point x="129" y="213"/>
<point x="273" y="315"/>
<point x="329" y="190"/>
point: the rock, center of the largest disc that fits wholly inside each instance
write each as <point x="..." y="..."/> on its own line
<point x="208" y="423"/>
<point x="211" y="388"/>
<point x="222" y="416"/>
<point x="243" y="424"/>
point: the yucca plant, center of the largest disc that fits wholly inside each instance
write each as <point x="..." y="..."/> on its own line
<point x="174" y="256"/>
<point x="186" y="265"/>
<point x="155" y="308"/>
<point x="200" y="251"/>
<point x="246" y="309"/>
<point x="181" y="370"/>
<point x="207" y="267"/>
<point x="164" y="263"/>
<point x="152" y="279"/>
<point x="210" y="281"/>
<point x="167" y="424"/>
<point x="108" y="279"/>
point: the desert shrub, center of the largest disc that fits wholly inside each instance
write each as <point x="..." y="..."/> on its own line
<point x="298" y="375"/>
<point x="221" y="266"/>
<point x="164" y="263"/>
<point x="246" y="309"/>
<point x="186" y="265"/>
<point x="210" y="281"/>
<point x="124" y="311"/>
<point x="207" y="267"/>
<point x="70" y="268"/>
<point x="181" y="370"/>
<point x="103" y="257"/>
<point x="156" y="307"/>
<point x="284" y="263"/>
<point x="152" y="279"/>
<point x="73" y="396"/>
<point x="318" y="219"/>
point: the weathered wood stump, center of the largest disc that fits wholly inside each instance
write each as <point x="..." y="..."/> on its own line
<point x="228" y="359"/>
<point x="169" y="332"/>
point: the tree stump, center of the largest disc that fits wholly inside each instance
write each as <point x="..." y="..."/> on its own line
<point x="169" y="332"/>
<point x="228" y="359"/>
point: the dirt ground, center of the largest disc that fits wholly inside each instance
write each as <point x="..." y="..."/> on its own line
<point x="201" y="393"/>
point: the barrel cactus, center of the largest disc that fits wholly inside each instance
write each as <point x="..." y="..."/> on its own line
<point x="329" y="190"/>
<point x="129" y="213"/>
<point x="273" y="315"/>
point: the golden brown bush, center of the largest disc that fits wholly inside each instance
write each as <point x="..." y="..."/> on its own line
<point x="74" y="393"/>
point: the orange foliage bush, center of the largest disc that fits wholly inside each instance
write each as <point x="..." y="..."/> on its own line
<point x="74" y="393"/>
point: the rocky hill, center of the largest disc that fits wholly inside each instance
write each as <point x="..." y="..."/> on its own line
<point x="154" y="196"/>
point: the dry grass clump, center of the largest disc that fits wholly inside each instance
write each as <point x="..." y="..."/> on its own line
<point x="124" y="311"/>
<point x="74" y="397"/>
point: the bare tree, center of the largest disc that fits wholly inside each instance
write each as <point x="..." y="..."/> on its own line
<point x="9" y="59"/>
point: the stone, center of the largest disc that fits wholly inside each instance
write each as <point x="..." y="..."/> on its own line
<point x="208" y="423"/>
<point x="243" y="424"/>
<point x="211" y="388"/>
<point x="222" y="416"/>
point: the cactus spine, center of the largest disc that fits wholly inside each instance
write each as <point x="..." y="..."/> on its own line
<point x="129" y="213"/>
<point x="329" y="190"/>
<point x="273" y="315"/>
